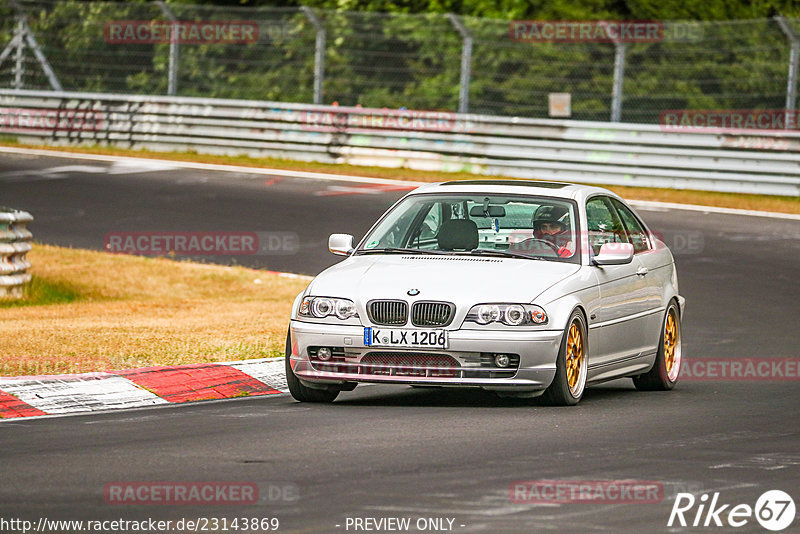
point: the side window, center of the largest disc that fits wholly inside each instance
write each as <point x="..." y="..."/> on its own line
<point x="604" y="226"/>
<point x="635" y="230"/>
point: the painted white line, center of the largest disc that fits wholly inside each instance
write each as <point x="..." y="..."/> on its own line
<point x="50" y="173"/>
<point x="134" y="167"/>
<point x="79" y="393"/>
<point x="364" y="189"/>
<point x="353" y="179"/>
<point x="207" y="166"/>
<point x="645" y="204"/>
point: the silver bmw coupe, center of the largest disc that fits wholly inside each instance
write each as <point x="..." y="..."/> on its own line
<point x="518" y="287"/>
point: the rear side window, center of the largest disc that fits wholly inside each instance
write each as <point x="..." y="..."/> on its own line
<point x="637" y="234"/>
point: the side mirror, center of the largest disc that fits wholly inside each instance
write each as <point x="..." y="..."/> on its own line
<point x="614" y="254"/>
<point x="341" y="244"/>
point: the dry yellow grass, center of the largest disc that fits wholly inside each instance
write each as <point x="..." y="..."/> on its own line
<point x="112" y="312"/>
<point x="703" y="198"/>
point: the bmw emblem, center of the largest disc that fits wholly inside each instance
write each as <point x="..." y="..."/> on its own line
<point x="413" y="292"/>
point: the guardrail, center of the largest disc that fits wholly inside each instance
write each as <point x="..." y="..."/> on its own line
<point x="14" y="245"/>
<point x="765" y="162"/>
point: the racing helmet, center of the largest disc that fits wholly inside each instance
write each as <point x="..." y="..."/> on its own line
<point x="549" y="213"/>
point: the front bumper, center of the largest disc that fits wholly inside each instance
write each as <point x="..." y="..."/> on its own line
<point x="537" y="352"/>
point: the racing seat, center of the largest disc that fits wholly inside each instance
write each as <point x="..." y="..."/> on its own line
<point x="458" y="234"/>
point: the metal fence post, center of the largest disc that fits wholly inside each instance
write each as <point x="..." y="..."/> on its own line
<point x="22" y="35"/>
<point x="19" y="65"/>
<point x="10" y="47"/>
<point x="794" y="57"/>
<point x="48" y="70"/>
<point x="319" y="52"/>
<point x="172" y="80"/>
<point x="466" y="63"/>
<point x="619" y="77"/>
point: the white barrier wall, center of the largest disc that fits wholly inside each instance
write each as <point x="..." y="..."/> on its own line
<point x="747" y="161"/>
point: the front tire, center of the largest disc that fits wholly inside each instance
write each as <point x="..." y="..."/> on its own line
<point x="299" y="391"/>
<point x="665" y="371"/>
<point x="571" y="365"/>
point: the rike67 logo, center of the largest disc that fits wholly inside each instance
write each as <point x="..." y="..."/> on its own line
<point x="774" y="510"/>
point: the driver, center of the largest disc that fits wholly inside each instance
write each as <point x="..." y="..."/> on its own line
<point x="548" y="226"/>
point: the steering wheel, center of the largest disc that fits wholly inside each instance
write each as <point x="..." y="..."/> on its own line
<point x="545" y="241"/>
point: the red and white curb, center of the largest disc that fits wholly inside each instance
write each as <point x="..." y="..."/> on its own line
<point x="29" y="396"/>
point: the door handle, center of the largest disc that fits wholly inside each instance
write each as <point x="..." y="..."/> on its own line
<point x="642" y="271"/>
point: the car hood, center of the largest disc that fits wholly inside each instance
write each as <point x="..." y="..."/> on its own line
<point x="454" y="278"/>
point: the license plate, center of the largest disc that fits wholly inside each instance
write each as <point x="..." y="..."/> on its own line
<point x="399" y="337"/>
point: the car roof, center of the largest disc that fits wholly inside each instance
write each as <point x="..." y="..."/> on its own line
<point x="520" y="187"/>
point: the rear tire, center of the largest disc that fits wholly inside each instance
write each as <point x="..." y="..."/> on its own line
<point x="571" y="365"/>
<point x="665" y="371"/>
<point x="299" y="391"/>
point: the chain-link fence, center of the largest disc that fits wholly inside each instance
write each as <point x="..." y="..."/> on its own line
<point x="436" y="62"/>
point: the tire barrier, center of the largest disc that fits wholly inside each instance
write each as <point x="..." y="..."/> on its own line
<point x="15" y="243"/>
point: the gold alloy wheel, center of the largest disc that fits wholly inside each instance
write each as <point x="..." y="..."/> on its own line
<point x="574" y="355"/>
<point x="670" y="340"/>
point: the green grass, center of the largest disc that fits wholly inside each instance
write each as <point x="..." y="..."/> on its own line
<point x="94" y="311"/>
<point x="41" y="291"/>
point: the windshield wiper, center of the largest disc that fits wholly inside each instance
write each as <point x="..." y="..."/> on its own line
<point x="394" y="250"/>
<point x="503" y="253"/>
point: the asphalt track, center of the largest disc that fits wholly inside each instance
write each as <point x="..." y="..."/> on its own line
<point x="385" y="451"/>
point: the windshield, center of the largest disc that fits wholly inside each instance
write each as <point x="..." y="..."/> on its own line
<point x="503" y="225"/>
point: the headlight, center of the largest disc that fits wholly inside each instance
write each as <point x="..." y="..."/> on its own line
<point x="509" y="314"/>
<point x="487" y="313"/>
<point x="514" y="315"/>
<point x="321" y="307"/>
<point x="345" y="309"/>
